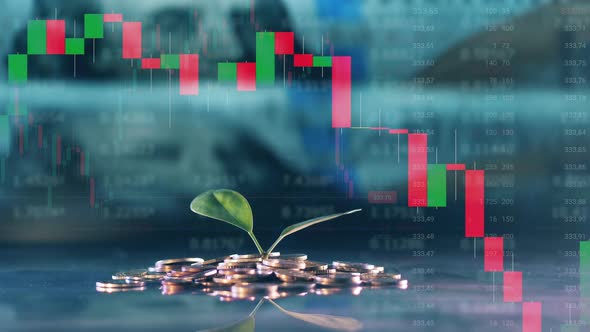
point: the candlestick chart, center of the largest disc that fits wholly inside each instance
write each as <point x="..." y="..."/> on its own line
<point x="427" y="185"/>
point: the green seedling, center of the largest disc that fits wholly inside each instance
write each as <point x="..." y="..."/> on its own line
<point x="233" y="208"/>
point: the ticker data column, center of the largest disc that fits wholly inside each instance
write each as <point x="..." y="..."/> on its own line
<point x="571" y="187"/>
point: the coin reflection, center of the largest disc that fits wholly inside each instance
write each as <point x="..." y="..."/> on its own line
<point x="252" y="277"/>
<point x="326" y="321"/>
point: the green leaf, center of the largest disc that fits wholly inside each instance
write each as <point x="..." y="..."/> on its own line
<point x="304" y="224"/>
<point x="225" y="205"/>
<point x="326" y="321"/>
<point x="229" y="206"/>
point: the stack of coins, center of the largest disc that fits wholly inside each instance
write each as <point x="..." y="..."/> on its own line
<point x="251" y="276"/>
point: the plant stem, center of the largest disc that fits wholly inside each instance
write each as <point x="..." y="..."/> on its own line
<point x="278" y="306"/>
<point x="260" y="250"/>
<point x="274" y="245"/>
<point x="257" y="307"/>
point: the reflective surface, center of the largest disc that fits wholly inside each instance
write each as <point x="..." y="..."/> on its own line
<point x="54" y="290"/>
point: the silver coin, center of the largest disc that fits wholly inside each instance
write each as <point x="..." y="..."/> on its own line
<point x="353" y="267"/>
<point x="204" y="274"/>
<point x="324" y="272"/>
<point x="293" y="276"/>
<point x="190" y="276"/>
<point x="154" y="276"/>
<point x="186" y="280"/>
<point x="179" y="274"/>
<point x="243" y="260"/>
<point x="311" y="266"/>
<point x="133" y="279"/>
<point x="236" y="265"/>
<point x="284" y="263"/>
<point x="179" y="261"/>
<point x="249" y="271"/>
<point x="272" y="254"/>
<point x="119" y="290"/>
<point x="197" y="268"/>
<point x="129" y="274"/>
<point x="299" y="257"/>
<point x="249" y="257"/>
<point x="213" y="261"/>
<point x="338" y="279"/>
<point x="246" y="277"/>
<point x="119" y="284"/>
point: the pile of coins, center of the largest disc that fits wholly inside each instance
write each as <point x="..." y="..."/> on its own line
<point x="253" y="276"/>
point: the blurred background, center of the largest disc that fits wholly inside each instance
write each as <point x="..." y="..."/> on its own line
<point x="498" y="85"/>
